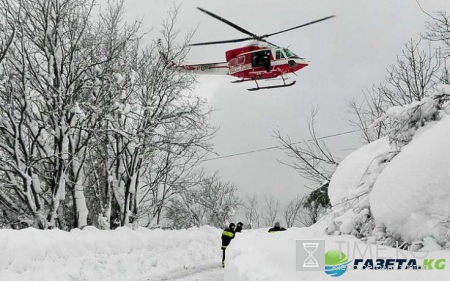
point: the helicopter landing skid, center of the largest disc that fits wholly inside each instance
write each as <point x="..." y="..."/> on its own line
<point x="240" y="81"/>
<point x="272" y="87"/>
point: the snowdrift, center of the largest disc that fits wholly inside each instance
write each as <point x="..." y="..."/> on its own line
<point x="349" y="176"/>
<point x="350" y="188"/>
<point x="411" y="196"/>
<point x="91" y="254"/>
<point x="258" y="255"/>
<point x="395" y="189"/>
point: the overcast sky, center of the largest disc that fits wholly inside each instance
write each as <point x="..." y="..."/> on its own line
<point x="348" y="54"/>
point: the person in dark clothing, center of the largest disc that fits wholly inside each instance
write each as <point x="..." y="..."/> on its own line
<point x="277" y="228"/>
<point x="265" y="62"/>
<point x="239" y="227"/>
<point x="227" y="236"/>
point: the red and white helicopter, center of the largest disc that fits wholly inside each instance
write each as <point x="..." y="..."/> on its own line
<point x="258" y="60"/>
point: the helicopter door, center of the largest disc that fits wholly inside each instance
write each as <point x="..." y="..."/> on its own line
<point x="261" y="59"/>
<point x="279" y="55"/>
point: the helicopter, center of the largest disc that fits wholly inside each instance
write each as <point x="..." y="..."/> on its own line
<point x="259" y="60"/>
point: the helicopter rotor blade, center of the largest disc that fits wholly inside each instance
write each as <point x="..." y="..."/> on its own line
<point x="270" y="43"/>
<point x="221" y="42"/>
<point x="306" y="24"/>
<point x="228" y="22"/>
<point x="252" y="35"/>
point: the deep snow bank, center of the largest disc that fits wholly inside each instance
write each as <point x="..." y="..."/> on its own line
<point x="91" y="254"/>
<point x="349" y="176"/>
<point x="395" y="188"/>
<point x="258" y="255"/>
<point x="411" y="196"/>
<point x="350" y="189"/>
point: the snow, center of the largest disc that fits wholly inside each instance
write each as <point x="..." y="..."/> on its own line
<point x="193" y="254"/>
<point x="442" y="89"/>
<point x="395" y="188"/>
<point x="257" y="255"/>
<point x="36" y="183"/>
<point x="411" y="195"/>
<point x="425" y="108"/>
<point x="76" y="109"/>
<point x="121" y="254"/>
<point x="351" y="185"/>
<point x="404" y="121"/>
<point x="347" y="177"/>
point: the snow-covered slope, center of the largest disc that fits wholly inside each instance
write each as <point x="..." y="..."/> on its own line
<point x="395" y="189"/>
<point x="411" y="196"/>
<point x="350" y="189"/>
<point x="348" y="177"/>
<point x="258" y="255"/>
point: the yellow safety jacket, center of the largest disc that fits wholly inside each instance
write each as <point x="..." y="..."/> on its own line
<point x="227" y="236"/>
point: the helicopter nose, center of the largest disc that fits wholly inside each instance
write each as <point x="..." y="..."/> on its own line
<point x="292" y="63"/>
<point x="297" y="63"/>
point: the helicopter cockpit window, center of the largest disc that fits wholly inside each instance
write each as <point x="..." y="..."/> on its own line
<point x="279" y="55"/>
<point x="290" y="54"/>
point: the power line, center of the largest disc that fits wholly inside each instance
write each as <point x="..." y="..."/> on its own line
<point x="278" y="146"/>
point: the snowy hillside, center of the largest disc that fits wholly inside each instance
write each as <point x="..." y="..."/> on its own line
<point x="395" y="189"/>
<point x="411" y="195"/>
<point x="257" y="255"/>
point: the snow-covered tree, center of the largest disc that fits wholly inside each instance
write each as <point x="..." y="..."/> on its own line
<point x="438" y="30"/>
<point x="46" y="84"/>
<point x="8" y="26"/>
<point x="251" y="211"/>
<point x="311" y="158"/>
<point x="156" y="114"/>
<point x="413" y="77"/>
<point x="291" y="211"/>
<point x="211" y="201"/>
<point x="87" y="110"/>
<point x="270" y="210"/>
<point x="403" y="121"/>
<point x="171" y="172"/>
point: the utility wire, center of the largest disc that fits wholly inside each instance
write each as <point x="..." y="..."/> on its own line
<point x="278" y="146"/>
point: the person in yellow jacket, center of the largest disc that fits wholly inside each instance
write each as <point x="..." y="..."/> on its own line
<point x="227" y="235"/>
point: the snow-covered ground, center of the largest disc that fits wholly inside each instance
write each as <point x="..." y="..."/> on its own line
<point x="121" y="254"/>
<point x="193" y="254"/>
<point x="384" y="193"/>
<point x="260" y="256"/>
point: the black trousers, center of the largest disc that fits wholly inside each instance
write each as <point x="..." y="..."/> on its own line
<point x="223" y="253"/>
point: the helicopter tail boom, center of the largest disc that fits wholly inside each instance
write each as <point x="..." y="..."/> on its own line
<point x="217" y="68"/>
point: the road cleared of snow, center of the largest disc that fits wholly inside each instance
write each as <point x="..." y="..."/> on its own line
<point x="209" y="271"/>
